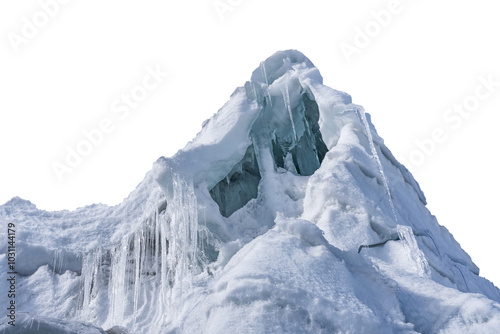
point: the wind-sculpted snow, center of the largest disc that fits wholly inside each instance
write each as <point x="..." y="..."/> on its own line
<point x="286" y="214"/>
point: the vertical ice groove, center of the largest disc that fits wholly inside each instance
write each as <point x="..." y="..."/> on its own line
<point x="362" y="115"/>
<point x="264" y="73"/>
<point x="286" y="99"/>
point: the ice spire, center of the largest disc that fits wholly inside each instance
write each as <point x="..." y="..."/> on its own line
<point x="286" y="99"/>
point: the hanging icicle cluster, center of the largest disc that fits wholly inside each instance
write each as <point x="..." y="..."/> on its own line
<point x="149" y="269"/>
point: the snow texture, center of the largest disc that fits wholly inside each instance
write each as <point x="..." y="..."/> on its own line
<point x="286" y="214"/>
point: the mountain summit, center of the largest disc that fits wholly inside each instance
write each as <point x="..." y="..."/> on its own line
<point x="286" y="214"/>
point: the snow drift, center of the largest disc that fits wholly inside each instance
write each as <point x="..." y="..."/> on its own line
<point x="286" y="214"/>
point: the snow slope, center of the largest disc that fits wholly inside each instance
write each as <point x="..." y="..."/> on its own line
<point x="286" y="214"/>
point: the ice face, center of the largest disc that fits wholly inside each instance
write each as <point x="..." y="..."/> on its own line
<point x="287" y="125"/>
<point x="291" y="124"/>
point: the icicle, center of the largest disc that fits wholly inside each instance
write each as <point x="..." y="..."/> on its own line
<point x="90" y="274"/>
<point x="163" y="260"/>
<point x="254" y="91"/>
<point x="286" y="98"/>
<point x="264" y="73"/>
<point x="156" y="266"/>
<point x="118" y="280"/>
<point x="137" y="280"/>
<point x="413" y="252"/>
<point x="289" y="165"/>
<point x="181" y="231"/>
<point x="87" y="280"/>
<point x="56" y="262"/>
<point x="157" y="260"/>
<point x="194" y="229"/>
<point x="362" y="115"/>
<point x="204" y="234"/>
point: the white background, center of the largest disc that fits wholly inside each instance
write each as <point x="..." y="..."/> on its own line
<point x="64" y="79"/>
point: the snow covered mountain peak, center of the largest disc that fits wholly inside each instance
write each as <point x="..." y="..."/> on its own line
<point x="286" y="214"/>
<point x="278" y="64"/>
<point x="276" y="111"/>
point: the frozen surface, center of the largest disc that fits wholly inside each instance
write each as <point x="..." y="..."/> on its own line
<point x="255" y="227"/>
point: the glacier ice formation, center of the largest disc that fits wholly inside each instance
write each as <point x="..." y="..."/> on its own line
<point x="256" y="226"/>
